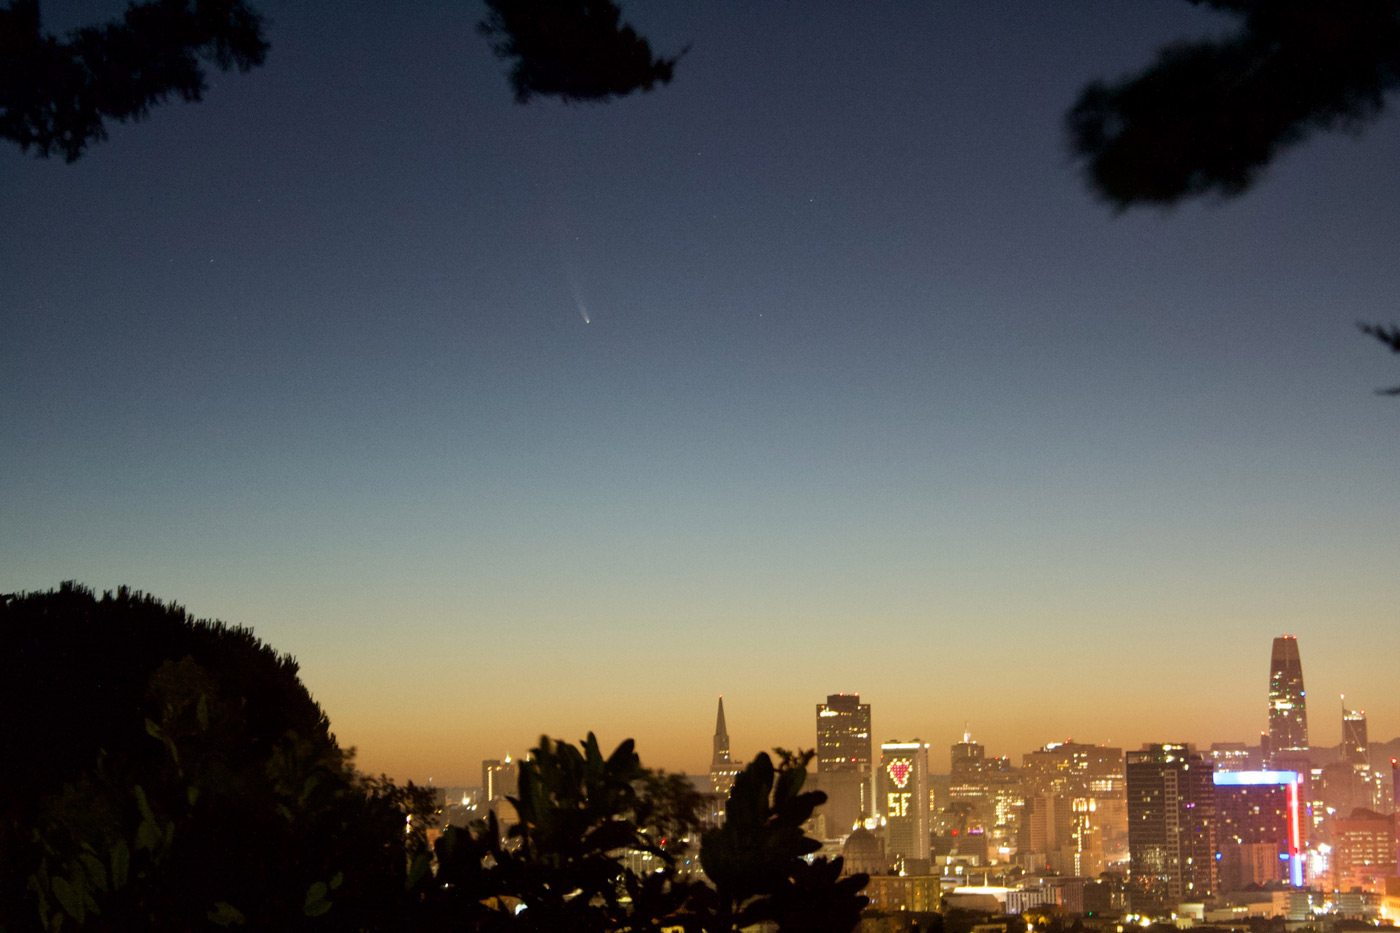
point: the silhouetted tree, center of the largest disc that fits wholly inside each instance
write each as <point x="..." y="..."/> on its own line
<point x="1206" y="117"/>
<point x="576" y="50"/>
<point x="1391" y="338"/>
<point x="56" y="96"/>
<point x="164" y="773"/>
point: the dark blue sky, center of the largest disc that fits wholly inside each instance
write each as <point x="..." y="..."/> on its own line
<point x="871" y="388"/>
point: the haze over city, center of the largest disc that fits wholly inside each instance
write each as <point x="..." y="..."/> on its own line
<point x="816" y="370"/>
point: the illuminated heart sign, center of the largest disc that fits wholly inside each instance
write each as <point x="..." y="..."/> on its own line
<point x="899" y="771"/>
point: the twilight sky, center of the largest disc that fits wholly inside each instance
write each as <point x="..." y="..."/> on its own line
<point x="818" y="370"/>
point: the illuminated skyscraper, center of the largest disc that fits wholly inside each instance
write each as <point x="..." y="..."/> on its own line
<point x="1350" y="783"/>
<point x="843" y="734"/>
<point x="844" y="762"/>
<point x="498" y="779"/>
<point x="722" y="769"/>
<point x="1288" y="707"/>
<point x="1171" y="823"/>
<point x="1354" y="749"/>
<point x="904" y="801"/>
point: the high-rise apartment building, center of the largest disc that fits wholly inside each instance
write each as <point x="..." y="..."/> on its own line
<point x="1288" y="708"/>
<point x="1171" y="823"/>
<point x="903" y="799"/>
<point x="723" y="770"/>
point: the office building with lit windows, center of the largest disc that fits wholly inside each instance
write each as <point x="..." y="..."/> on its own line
<point x="986" y="801"/>
<point x="844" y="764"/>
<point x="1363" y="851"/>
<point x="1077" y="807"/>
<point x="1288" y="708"/>
<point x="1355" y="749"/>
<point x="843" y="734"/>
<point x="498" y="779"/>
<point x="1259" y="828"/>
<point x="1350" y="783"/>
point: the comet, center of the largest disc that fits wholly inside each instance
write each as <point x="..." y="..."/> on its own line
<point x="578" y="300"/>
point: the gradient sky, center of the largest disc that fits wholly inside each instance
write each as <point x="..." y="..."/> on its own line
<point x="873" y="395"/>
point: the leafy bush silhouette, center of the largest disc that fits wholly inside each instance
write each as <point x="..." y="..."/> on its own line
<point x="170" y="773"/>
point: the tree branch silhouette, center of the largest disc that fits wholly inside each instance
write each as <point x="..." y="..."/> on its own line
<point x="576" y="50"/>
<point x="1206" y="118"/>
<point x="1391" y="338"/>
<point x="56" y="96"/>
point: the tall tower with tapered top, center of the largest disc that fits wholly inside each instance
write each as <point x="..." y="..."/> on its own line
<point x="1288" y="707"/>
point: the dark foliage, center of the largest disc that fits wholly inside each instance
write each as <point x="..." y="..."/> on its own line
<point x="576" y="50"/>
<point x="756" y="859"/>
<point x="602" y="846"/>
<point x="596" y="848"/>
<point x="1207" y="117"/>
<point x="166" y="773"/>
<point x="56" y="95"/>
<point x="1391" y="338"/>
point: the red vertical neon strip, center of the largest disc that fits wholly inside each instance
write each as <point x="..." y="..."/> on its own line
<point x="1295" y="830"/>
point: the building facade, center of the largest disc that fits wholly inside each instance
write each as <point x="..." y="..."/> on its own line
<point x="903" y="796"/>
<point x="498" y="779"/>
<point x="1288" y="708"/>
<point x="845" y="766"/>
<point x="723" y="769"/>
<point x="1259" y="828"/>
<point x="843" y="734"/>
<point x="1076" y="802"/>
<point x="986" y="802"/>
<point x="1171" y="824"/>
<point x="1363" y="851"/>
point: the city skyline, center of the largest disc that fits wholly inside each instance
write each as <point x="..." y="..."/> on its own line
<point x="818" y="369"/>
<point x="940" y="762"/>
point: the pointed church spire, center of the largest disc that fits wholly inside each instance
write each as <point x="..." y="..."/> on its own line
<point x="720" y="729"/>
